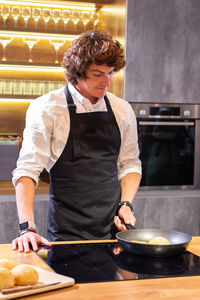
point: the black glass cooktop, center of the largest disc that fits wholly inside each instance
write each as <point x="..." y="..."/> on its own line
<point x="100" y="262"/>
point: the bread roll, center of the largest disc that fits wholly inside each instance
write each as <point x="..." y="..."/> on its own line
<point x="159" y="240"/>
<point x="25" y="274"/>
<point x="7" y="263"/>
<point x="7" y="279"/>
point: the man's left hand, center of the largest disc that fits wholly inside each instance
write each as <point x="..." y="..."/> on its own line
<point x="126" y="215"/>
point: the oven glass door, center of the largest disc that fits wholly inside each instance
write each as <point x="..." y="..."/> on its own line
<point x="166" y="152"/>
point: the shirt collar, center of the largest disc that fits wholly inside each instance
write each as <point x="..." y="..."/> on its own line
<point x="76" y="95"/>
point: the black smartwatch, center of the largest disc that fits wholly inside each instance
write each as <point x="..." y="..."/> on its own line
<point x="27" y="226"/>
<point x="127" y="203"/>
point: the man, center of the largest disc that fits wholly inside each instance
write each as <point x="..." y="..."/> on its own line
<point x="87" y="139"/>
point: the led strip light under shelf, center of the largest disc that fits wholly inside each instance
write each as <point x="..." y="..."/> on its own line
<point x="30" y="68"/>
<point x="56" y="4"/>
<point x="38" y="36"/>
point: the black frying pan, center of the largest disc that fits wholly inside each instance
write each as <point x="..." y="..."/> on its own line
<point x="179" y="242"/>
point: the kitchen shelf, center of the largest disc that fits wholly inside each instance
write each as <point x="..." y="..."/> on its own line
<point x="27" y="68"/>
<point x="30" y="65"/>
<point x="43" y="27"/>
<point x="57" y="3"/>
<point x="60" y="2"/>
<point x="56" y="16"/>
<point x="31" y="71"/>
<point x="33" y="34"/>
<point x="48" y="46"/>
<point x="42" y="31"/>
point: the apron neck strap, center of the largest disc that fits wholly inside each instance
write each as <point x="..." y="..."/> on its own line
<point x="107" y="104"/>
<point x="70" y="101"/>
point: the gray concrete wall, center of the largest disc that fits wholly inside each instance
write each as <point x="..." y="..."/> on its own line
<point x="167" y="210"/>
<point x="163" y="51"/>
<point x="9" y="217"/>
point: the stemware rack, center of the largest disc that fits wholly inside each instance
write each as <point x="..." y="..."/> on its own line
<point x="36" y="34"/>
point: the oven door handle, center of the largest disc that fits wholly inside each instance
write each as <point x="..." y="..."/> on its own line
<point x="166" y="123"/>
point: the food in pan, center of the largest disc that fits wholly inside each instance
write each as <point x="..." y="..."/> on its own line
<point x="7" y="279"/>
<point x="157" y="240"/>
<point x="25" y="274"/>
<point x="7" y="263"/>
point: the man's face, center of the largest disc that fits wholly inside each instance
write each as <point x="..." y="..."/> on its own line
<point x="99" y="78"/>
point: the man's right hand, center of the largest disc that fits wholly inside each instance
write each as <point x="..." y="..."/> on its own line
<point x="29" y="240"/>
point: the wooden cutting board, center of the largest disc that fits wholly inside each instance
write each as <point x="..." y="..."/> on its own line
<point x="45" y="277"/>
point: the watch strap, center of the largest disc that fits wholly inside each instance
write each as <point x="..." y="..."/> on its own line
<point x="26" y="230"/>
<point x="127" y="203"/>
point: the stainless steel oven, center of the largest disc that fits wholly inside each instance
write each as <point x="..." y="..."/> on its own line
<point x="169" y="143"/>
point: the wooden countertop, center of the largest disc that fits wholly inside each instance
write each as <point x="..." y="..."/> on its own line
<point x="184" y="288"/>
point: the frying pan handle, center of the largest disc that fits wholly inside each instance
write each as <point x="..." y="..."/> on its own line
<point x="128" y="226"/>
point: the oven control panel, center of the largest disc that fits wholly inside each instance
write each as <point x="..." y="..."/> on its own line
<point x="172" y="111"/>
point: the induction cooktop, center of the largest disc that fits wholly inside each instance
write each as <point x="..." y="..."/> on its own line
<point x="98" y="262"/>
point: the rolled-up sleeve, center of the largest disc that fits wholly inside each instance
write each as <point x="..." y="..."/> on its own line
<point x="128" y="160"/>
<point x="35" y="151"/>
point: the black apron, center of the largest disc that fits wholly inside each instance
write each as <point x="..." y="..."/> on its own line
<point x="84" y="186"/>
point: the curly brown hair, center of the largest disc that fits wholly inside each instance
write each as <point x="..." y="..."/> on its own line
<point x="92" y="47"/>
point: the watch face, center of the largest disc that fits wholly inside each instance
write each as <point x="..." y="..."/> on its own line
<point x="23" y="226"/>
<point x="26" y="225"/>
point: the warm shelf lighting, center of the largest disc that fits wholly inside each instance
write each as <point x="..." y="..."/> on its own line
<point x="56" y="4"/>
<point x="38" y="36"/>
<point x="112" y="10"/>
<point x="30" y="68"/>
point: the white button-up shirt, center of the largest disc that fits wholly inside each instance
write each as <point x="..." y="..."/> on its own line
<point x="47" y="130"/>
